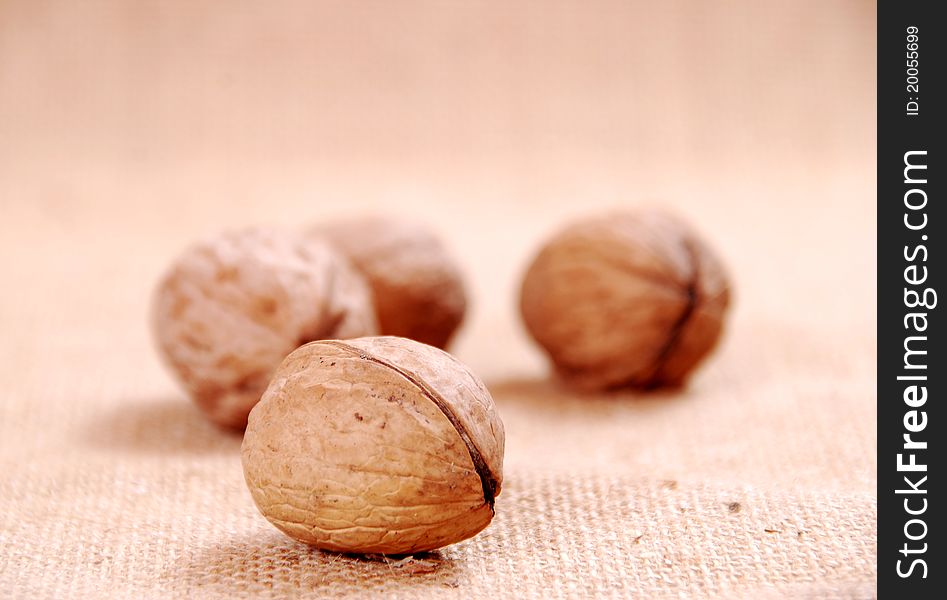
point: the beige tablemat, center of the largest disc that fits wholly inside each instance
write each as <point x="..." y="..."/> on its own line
<point x="129" y="129"/>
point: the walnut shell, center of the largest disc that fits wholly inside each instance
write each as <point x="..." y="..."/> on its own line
<point x="625" y="299"/>
<point x="232" y="307"/>
<point x="417" y="287"/>
<point x="374" y="445"/>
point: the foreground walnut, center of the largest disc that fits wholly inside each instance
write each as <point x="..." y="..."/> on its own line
<point x="626" y="299"/>
<point x="374" y="445"/>
<point x="231" y="308"/>
<point x="417" y="286"/>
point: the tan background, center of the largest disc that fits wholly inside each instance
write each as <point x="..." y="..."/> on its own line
<point x="127" y="129"/>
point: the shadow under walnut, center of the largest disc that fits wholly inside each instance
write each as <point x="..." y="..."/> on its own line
<point x="548" y="394"/>
<point x="274" y="564"/>
<point x="157" y="426"/>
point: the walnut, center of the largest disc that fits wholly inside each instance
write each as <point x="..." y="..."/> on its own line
<point x="231" y="308"/>
<point x="374" y="445"/>
<point x="417" y="286"/>
<point x="625" y="299"/>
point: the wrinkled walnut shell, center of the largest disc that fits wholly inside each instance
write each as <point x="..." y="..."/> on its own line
<point x="417" y="287"/>
<point x="626" y="299"/>
<point x="374" y="445"/>
<point x="232" y="307"/>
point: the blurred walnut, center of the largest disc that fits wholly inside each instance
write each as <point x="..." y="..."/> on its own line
<point x="374" y="445"/>
<point x="417" y="287"/>
<point x="625" y="299"/>
<point x="231" y="308"/>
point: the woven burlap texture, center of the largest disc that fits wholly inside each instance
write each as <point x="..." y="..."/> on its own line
<point x="129" y="132"/>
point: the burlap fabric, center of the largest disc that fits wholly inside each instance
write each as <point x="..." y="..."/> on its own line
<point x="129" y="129"/>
